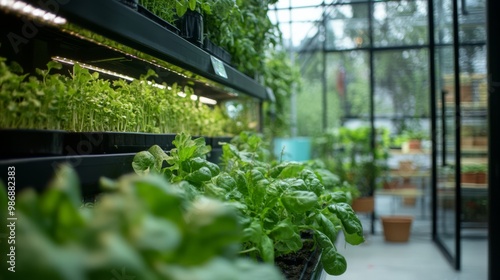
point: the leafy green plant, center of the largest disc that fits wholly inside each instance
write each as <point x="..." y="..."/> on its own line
<point x="82" y="101"/>
<point x="349" y="154"/>
<point x="141" y="226"/>
<point x="277" y="203"/>
<point x="474" y="168"/>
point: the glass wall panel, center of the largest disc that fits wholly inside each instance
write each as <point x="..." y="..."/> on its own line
<point x="310" y="96"/>
<point x="401" y="108"/>
<point x="446" y="181"/>
<point x="400" y="23"/>
<point x="349" y="81"/>
<point x="347" y="27"/>
<point x="443" y="22"/>
<point x="401" y="83"/>
<point x="471" y="18"/>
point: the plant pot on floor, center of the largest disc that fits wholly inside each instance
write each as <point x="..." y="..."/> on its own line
<point x="363" y="204"/>
<point x="397" y="228"/>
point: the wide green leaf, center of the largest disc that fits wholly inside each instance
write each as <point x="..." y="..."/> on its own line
<point x="156" y="234"/>
<point x="348" y="217"/>
<point x="333" y="262"/>
<point x="299" y="201"/>
<point x="266" y="249"/>
<point x="143" y="163"/>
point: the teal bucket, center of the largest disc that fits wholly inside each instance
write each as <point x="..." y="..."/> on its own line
<point x="292" y="149"/>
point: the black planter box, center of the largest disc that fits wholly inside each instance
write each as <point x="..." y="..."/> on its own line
<point x="88" y="143"/>
<point x="215" y="143"/>
<point x="191" y="27"/>
<point x="217" y="51"/>
<point x="145" y="12"/>
<point x="29" y="142"/>
<point x="37" y="172"/>
<point x="130" y="3"/>
<point x="22" y="143"/>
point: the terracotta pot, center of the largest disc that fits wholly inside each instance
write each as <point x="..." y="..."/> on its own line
<point x="364" y="204"/>
<point x="481" y="141"/>
<point x="409" y="201"/>
<point x="406" y="166"/>
<point x="397" y="228"/>
<point x="467" y="142"/>
<point x="414" y="145"/>
<point x="468" y="178"/>
<point x="481" y="178"/>
<point x="465" y="93"/>
<point x="389" y="185"/>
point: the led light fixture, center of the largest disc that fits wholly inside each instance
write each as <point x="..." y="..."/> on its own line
<point x="23" y="8"/>
<point x="68" y="61"/>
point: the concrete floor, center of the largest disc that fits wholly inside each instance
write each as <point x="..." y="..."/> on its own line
<point x="420" y="258"/>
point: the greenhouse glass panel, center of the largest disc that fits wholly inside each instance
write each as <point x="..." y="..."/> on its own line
<point x="443" y="21"/>
<point x="310" y="96"/>
<point x="472" y="18"/>
<point x="401" y="83"/>
<point x="400" y="23"/>
<point x="348" y="84"/>
<point x="348" y="27"/>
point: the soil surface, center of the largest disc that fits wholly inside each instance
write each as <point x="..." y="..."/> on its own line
<point x="299" y="265"/>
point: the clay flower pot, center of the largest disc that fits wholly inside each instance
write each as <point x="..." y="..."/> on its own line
<point x="397" y="228"/>
<point x="363" y="204"/>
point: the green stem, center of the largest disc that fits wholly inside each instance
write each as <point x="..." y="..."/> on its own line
<point x="248" y="250"/>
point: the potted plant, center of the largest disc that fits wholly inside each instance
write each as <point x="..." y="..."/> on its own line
<point x="360" y="165"/>
<point x="415" y="138"/>
<point x="86" y="114"/>
<point x="396" y="228"/>
<point x="481" y="174"/>
<point x="467" y="137"/>
<point x="142" y="227"/>
<point x="481" y="138"/>
<point x="469" y="173"/>
<point x="284" y="206"/>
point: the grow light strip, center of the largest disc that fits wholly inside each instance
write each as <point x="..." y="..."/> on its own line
<point x="68" y="61"/>
<point x="194" y="97"/>
<point x="91" y="67"/>
<point x="28" y="10"/>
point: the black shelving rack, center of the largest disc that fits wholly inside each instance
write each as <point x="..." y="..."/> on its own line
<point x="141" y="44"/>
<point x="174" y="58"/>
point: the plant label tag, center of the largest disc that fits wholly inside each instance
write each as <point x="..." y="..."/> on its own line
<point x="218" y="67"/>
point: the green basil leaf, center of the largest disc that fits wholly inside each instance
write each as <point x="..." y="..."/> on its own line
<point x="333" y="262"/>
<point x="155" y="234"/>
<point x="327" y="227"/>
<point x="159" y="155"/>
<point x="266" y="249"/>
<point x="241" y="182"/>
<point x="299" y="201"/>
<point x="287" y="170"/>
<point x="338" y="197"/>
<point x="354" y="239"/>
<point x="143" y="163"/>
<point x="253" y="232"/>
<point x="226" y="182"/>
<point x="348" y="217"/>
<point x="201" y="175"/>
